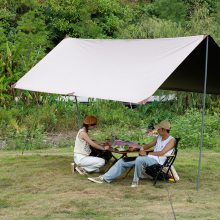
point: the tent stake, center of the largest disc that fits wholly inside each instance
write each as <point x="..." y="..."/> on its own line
<point x="203" y="113"/>
<point x="78" y="114"/>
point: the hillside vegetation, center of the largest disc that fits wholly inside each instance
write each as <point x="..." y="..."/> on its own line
<point x="29" y="29"/>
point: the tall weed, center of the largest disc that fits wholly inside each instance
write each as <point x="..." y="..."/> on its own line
<point x="26" y="126"/>
<point x="188" y="127"/>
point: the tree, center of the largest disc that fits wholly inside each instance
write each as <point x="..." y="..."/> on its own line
<point x="173" y="10"/>
<point x="86" y="19"/>
<point x="23" y="42"/>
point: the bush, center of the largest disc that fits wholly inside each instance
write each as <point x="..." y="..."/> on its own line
<point x="188" y="127"/>
<point x="26" y="126"/>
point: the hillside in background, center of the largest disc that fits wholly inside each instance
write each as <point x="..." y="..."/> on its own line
<point x="29" y="29"/>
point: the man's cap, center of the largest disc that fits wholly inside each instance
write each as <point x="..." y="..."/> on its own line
<point x="90" y="120"/>
<point x="163" y="124"/>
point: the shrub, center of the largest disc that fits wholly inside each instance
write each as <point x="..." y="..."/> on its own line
<point x="26" y="126"/>
<point x="188" y="127"/>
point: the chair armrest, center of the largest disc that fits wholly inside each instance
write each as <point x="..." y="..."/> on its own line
<point x="172" y="155"/>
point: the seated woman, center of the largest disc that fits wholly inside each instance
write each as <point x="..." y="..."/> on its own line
<point x="83" y="160"/>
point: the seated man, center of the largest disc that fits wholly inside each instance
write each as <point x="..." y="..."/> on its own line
<point x="164" y="144"/>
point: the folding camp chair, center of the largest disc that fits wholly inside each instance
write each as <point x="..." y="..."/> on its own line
<point x="163" y="172"/>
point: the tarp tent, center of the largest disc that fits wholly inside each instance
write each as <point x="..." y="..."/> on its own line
<point x="189" y="76"/>
<point x="124" y="70"/>
<point x="128" y="70"/>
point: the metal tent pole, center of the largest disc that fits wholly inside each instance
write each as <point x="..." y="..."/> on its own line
<point x="203" y="113"/>
<point x="78" y="114"/>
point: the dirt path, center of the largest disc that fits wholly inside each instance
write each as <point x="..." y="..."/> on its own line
<point x="54" y="138"/>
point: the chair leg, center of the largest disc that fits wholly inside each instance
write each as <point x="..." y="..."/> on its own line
<point x="127" y="172"/>
<point x="155" y="179"/>
<point x="111" y="163"/>
<point x="172" y="175"/>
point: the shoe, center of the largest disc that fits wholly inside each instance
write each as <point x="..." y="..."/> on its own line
<point x="73" y="167"/>
<point x="98" y="179"/>
<point x="134" y="184"/>
<point x="80" y="170"/>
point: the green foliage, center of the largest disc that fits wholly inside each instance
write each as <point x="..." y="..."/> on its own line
<point x="19" y="131"/>
<point x="26" y="126"/>
<point x="86" y="19"/>
<point x="188" y="127"/>
<point x="192" y="5"/>
<point x="31" y="39"/>
<point x="152" y="28"/>
<point x="156" y="112"/>
<point x="29" y="29"/>
<point x="173" y="10"/>
<point x="101" y="109"/>
<point x="189" y="100"/>
<point x="22" y="44"/>
<point x="203" y="23"/>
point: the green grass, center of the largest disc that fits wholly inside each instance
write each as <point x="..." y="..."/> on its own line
<point x="39" y="185"/>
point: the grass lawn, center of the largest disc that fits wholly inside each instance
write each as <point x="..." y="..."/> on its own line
<point x="39" y="185"/>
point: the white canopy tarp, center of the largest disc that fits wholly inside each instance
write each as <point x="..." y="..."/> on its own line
<point x="123" y="70"/>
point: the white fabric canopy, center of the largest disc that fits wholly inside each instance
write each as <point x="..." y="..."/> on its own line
<point x="123" y="70"/>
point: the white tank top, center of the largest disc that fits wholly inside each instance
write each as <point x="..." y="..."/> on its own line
<point x="160" y="145"/>
<point x="81" y="146"/>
